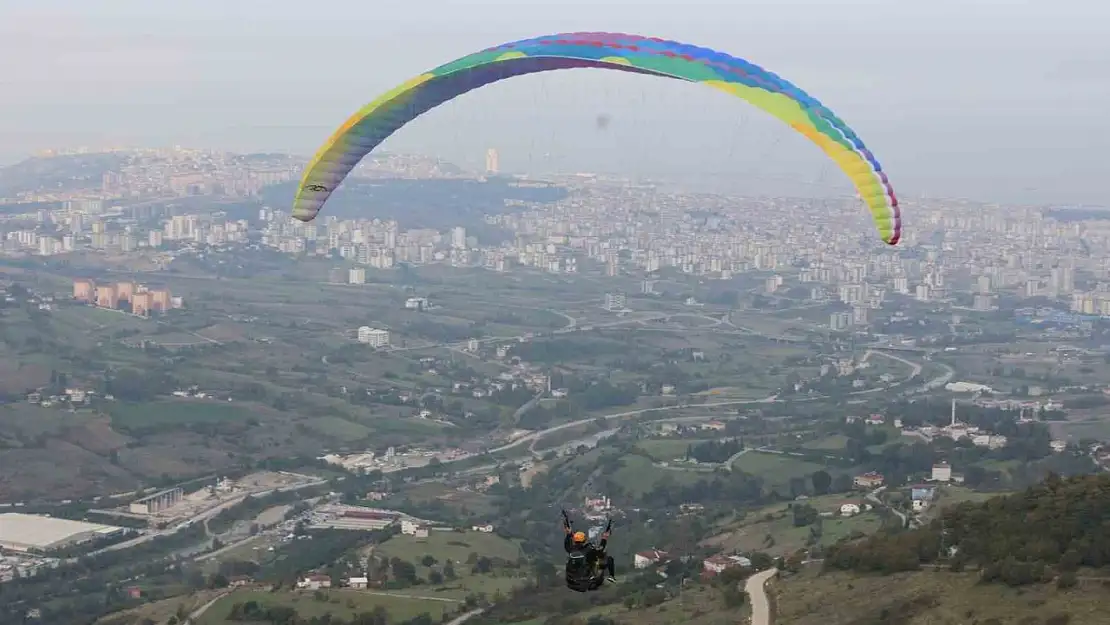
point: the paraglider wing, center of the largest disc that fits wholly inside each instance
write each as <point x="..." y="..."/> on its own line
<point x="372" y="124"/>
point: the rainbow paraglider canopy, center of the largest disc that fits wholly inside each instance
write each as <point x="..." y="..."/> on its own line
<point x="376" y="121"/>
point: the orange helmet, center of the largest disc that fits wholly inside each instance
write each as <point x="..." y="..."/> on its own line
<point x="580" y="537"/>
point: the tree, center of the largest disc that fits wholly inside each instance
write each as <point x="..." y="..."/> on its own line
<point x="483" y="565"/>
<point x="797" y="486"/>
<point x="822" y="481"/>
<point x="428" y="561"/>
<point x="734" y="597"/>
<point x="545" y="573"/>
<point x="403" y="571"/>
<point x="217" y="581"/>
<point x="804" y="514"/>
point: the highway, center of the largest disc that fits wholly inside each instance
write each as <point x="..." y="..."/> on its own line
<point x="915" y="367"/>
<point x="571" y="327"/>
<point x="200" y="518"/>
<point x="757" y="596"/>
<point x="535" y="436"/>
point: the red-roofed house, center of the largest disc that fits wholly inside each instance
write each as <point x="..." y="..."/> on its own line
<point x="868" y="480"/>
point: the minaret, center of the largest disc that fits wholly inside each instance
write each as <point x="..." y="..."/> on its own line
<point x="953" y="412"/>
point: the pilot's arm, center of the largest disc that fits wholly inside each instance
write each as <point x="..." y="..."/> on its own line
<point x="568" y="543"/>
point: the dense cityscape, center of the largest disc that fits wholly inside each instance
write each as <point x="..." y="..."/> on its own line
<point x="609" y="226"/>
<point x="147" y="235"/>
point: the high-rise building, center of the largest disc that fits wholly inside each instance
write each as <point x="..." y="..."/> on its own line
<point x="106" y="297"/>
<point x="984" y="285"/>
<point x="142" y="303"/>
<point x="1062" y="281"/>
<point x="357" y="275"/>
<point x="493" y="165"/>
<point x="983" y="302"/>
<point x="614" y="301"/>
<point x="84" y="290"/>
<point x="458" y="237"/>
<point x="373" y="337"/>
<point x="160" y="300"/>
<point x="859" y="315"/>
<point x="851" y="294"/>
<point x="124" y="291"/>
<point x="1032" y="287"/>
<point x="840" y="320"/>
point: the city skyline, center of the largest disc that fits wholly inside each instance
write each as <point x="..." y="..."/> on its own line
<point x="983" y="115"/>
<point x="609" y="227"/>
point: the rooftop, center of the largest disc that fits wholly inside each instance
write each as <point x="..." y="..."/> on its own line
<point x="43" y="532"/>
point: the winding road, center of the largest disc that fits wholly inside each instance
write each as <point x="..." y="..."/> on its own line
<point x="535" y="436"/>
<point x="873" y="497"/>
<point x="459" y="620"/>
<point x="756" y="587"/>
<point x="195" y="615"/>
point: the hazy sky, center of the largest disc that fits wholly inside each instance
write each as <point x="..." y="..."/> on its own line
<point x="1003" y="99"/>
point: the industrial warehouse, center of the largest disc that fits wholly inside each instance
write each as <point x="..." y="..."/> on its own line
<point x="33" y="533"/>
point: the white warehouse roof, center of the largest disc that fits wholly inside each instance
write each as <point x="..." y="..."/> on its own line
<point x="20" y="532"/>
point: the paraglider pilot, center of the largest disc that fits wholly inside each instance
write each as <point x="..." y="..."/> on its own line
<point x="591" y="555"/>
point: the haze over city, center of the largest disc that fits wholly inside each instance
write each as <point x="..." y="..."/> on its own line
<point x="972" y="98"/>
<point x="572" y="348"/>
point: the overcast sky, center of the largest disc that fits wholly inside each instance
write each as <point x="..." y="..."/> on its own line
<point x="990" y="99"/>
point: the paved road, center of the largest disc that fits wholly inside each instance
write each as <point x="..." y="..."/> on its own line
<point x="564" y="330"/>
<point x="709" y="467"/>
<point x="535" y="436"/>
<point x="757" y="595"/>
<point x="915" y="367"/>
<point x="201" y="518"/>
<point x="459" y="620"/>
<point x="873" y="497"/>
<point x="532" y="438"/>
<point x="404" y="596"/>
<point x="197" y="613"/>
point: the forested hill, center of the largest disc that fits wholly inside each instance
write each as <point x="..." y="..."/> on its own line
<point x="1049" y="530"/>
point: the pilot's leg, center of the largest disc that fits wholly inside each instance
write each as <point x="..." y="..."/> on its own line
<point x="611" y="568"/>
